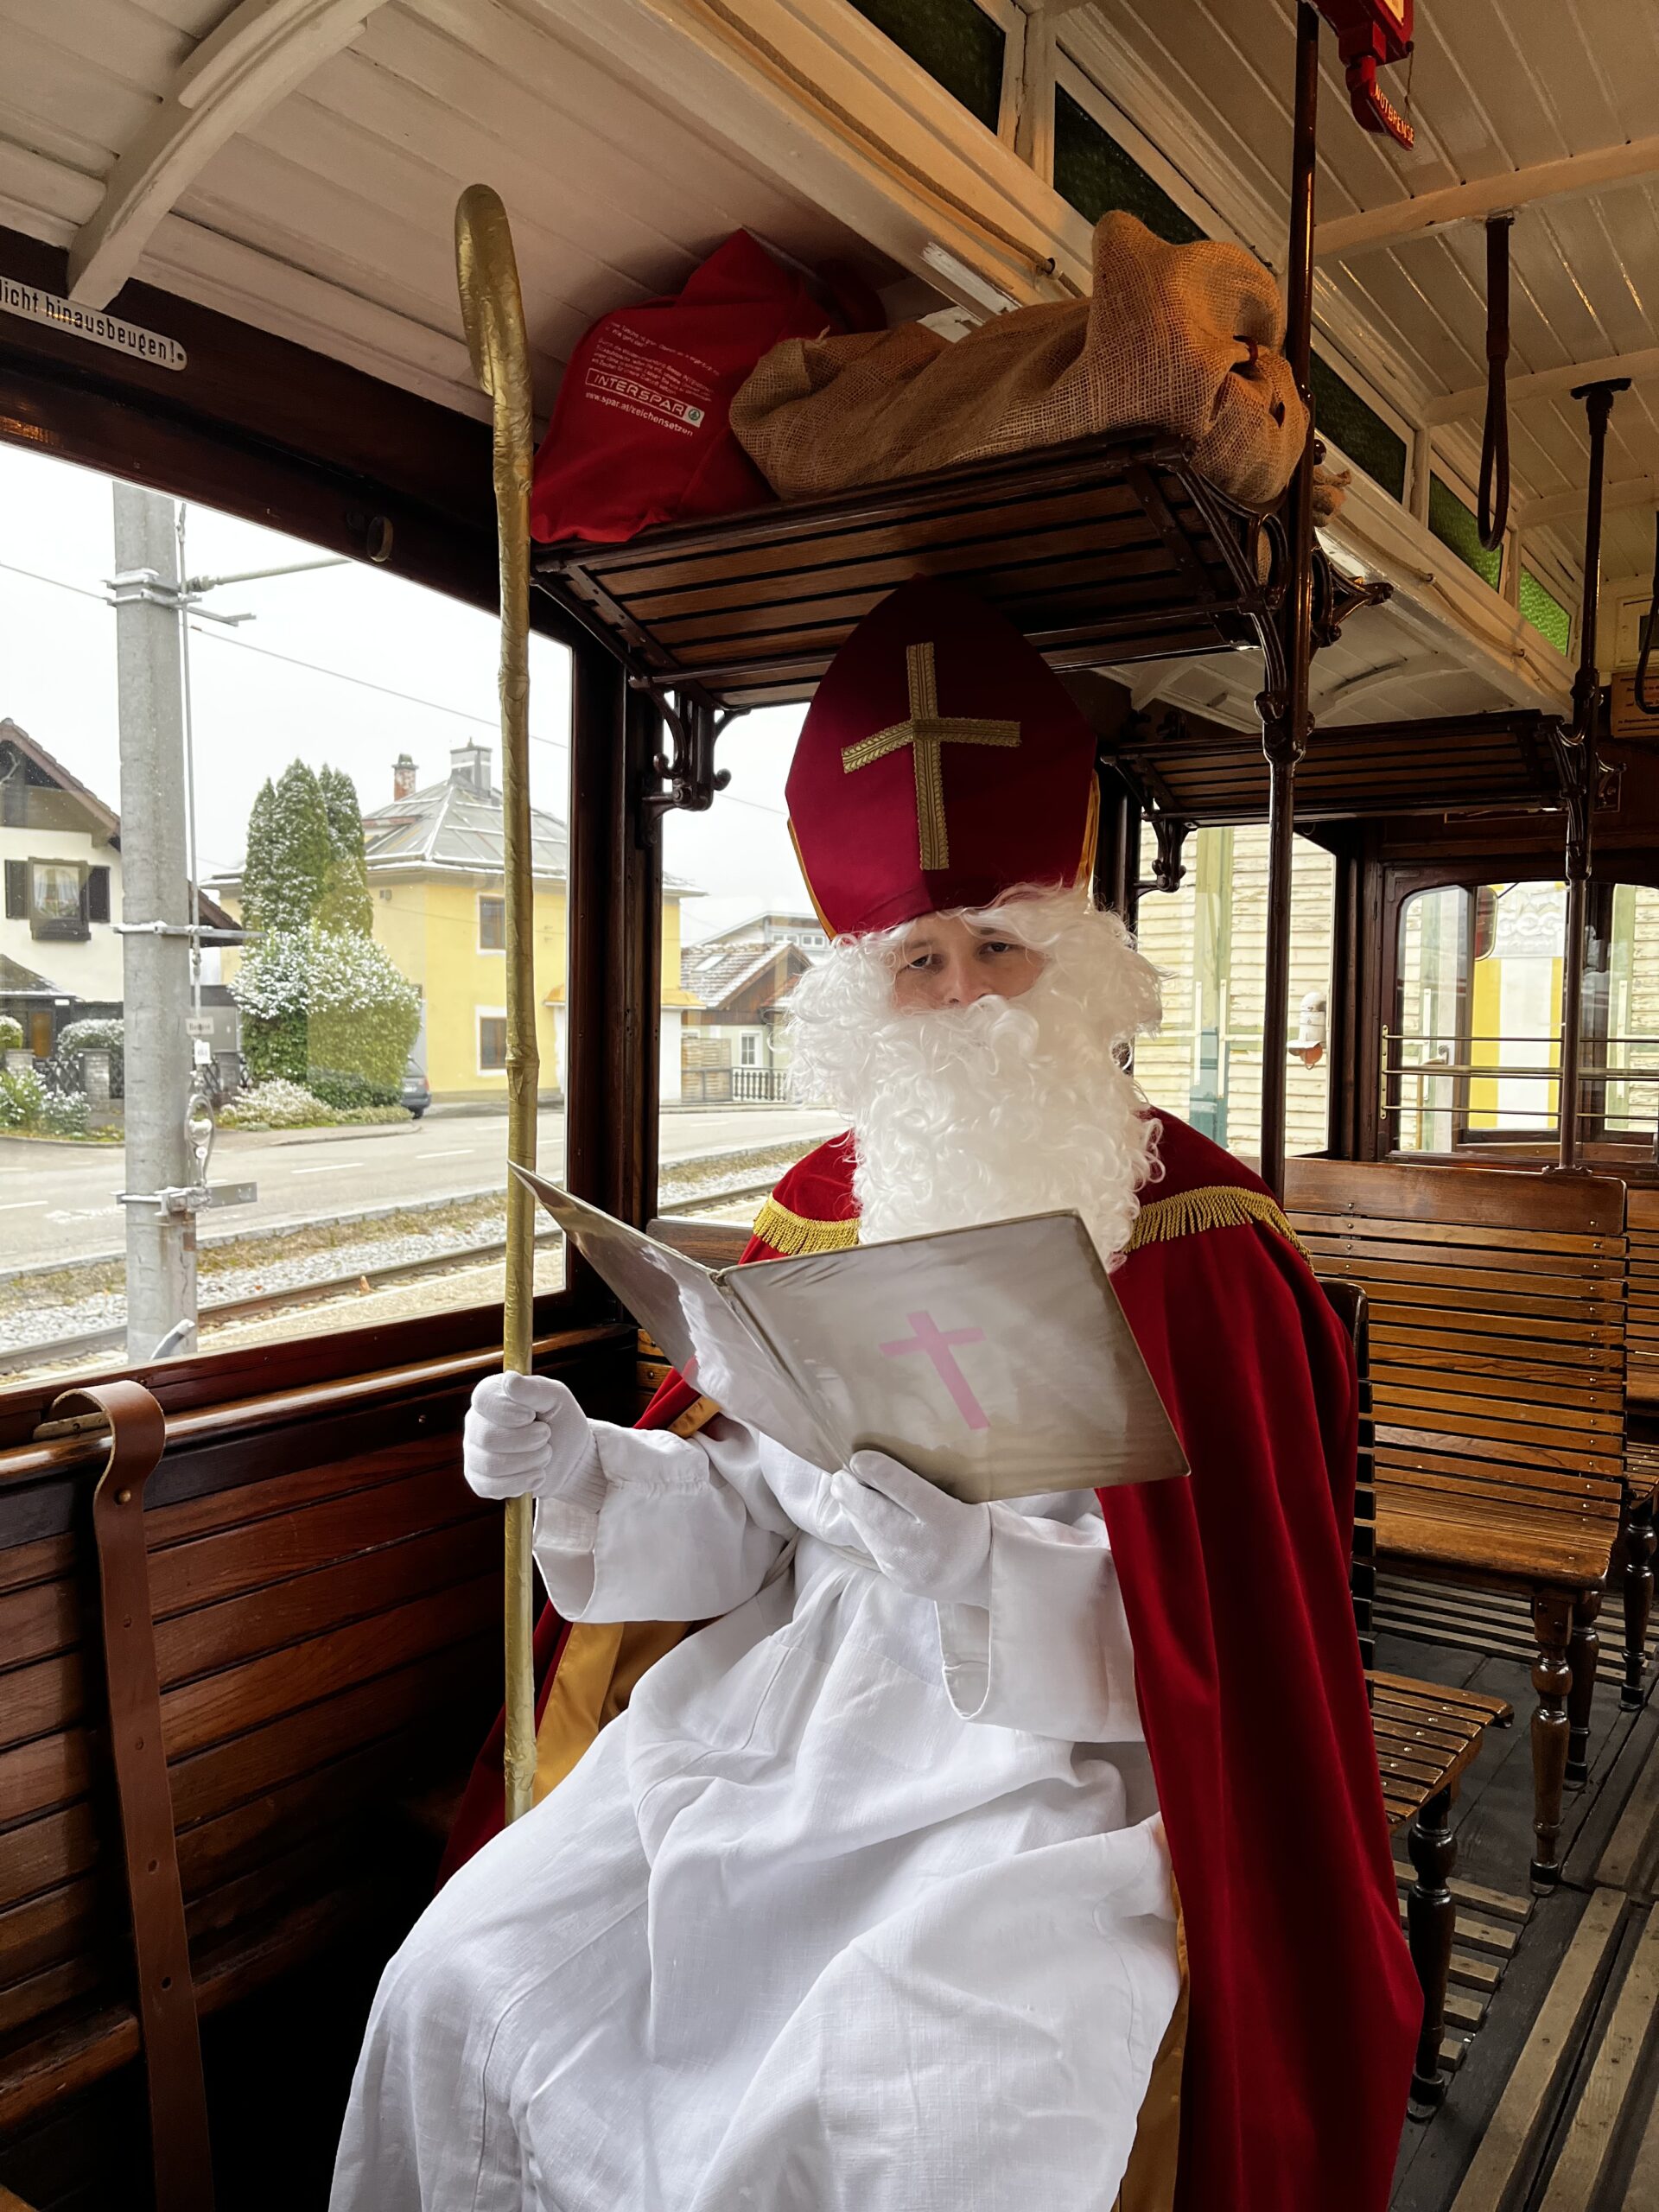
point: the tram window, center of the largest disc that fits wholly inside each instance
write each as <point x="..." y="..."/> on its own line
<point x="956" y="42"/>
<point x="1353" y="425"/>
<point x="741" y="931"/>
<point x="1473" y="1053"/>
<point x="1452" y="521"/>
<point x="1629" y="1107"/>
<point x="1093" y="172"/>
<point x="1209" y="941"/>
<point x="344" y="767"/>
<point x="1540" y="607"/>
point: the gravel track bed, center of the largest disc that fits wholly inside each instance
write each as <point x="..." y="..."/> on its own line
<point x="287" y="1260"/>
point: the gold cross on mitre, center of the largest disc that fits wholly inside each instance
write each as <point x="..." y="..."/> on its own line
<point x="927" y="733"/>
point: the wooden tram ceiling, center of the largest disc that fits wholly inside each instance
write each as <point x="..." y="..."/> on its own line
<point x="1517" y="104"/>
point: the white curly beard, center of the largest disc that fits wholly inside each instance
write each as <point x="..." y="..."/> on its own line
<point x="989" y="1111"/>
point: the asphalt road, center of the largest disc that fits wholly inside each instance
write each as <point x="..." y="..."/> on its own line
<point x="57" y="1202"/>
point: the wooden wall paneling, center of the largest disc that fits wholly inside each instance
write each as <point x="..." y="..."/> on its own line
<point x="229" y="1443"/>
<point x="226" y="1774"/>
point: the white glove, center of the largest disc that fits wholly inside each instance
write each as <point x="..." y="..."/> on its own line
<point x="526" y="1436"/>
<point x="923" y="1540"/>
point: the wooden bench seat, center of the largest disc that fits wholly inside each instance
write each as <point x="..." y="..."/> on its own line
<point x="1497" y="1304"/>
<point x="1427" y="1735"/>
<point x="324" y="1636"/>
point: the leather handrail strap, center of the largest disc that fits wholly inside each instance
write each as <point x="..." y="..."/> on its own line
<point x="1493" y="519"/>
<point x="167" y="1997"/>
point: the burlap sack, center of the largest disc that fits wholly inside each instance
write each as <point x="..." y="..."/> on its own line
<point x="1181" y="338"/>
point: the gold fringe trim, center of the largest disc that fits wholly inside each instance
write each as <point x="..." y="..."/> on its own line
<point x="1217" y="1205"/>
<point x="792" y="1234"/>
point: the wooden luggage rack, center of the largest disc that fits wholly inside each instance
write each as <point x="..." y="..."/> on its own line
<point x="1102" y="552"/>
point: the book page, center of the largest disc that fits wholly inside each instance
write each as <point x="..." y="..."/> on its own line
<point x="683" y="1306"/>
<point x="996" y="1361"/>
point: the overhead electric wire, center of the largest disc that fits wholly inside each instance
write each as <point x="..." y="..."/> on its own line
<point x="484" y="722"/>
<point x="363" y="683"/>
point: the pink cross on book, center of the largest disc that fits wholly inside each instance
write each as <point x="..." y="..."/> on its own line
<point x="937" y="1344"/>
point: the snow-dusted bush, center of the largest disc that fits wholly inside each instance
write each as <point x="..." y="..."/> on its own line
<point x="105" y="1035"/>
<point x="64" y="1114"/>
<point x="29" y="1108"/>
<point x="11" y="1034"/>
<point x="20" y="1097"/>
<point x="319" y="998"/>
<point x="278" y="1104"/>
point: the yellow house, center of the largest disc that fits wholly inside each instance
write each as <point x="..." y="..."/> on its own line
<point x="435" y="867"/>
<point x="434" y="862"/>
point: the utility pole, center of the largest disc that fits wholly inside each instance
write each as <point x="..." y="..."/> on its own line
<point x="155" y="907"/>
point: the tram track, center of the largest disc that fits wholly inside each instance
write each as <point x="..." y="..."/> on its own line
<point x="387" y="1276"/>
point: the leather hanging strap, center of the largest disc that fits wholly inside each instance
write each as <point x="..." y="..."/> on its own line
<point x="1493" y="518"/>
<point x="167" y="1997"/>
<point x="1644" y="704"/>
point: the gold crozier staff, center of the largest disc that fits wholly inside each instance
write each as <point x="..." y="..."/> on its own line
<point x="493" y="311"/>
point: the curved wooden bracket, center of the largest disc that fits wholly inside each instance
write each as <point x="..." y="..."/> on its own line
<point x="167" y="1997"/>
<point x="257" y="55"/>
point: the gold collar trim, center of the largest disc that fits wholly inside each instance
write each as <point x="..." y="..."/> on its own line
<point x="1216" y="1205"/>
<point x="793" y="1234"/>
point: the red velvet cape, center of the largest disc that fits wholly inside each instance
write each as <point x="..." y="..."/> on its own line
<point x="1304" y="2008"/>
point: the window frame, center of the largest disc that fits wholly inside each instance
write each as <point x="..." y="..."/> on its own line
<point x="58" y="929"/>
<point x="263" y="429"/>
<point x="480" y="1015"/>
<point x="498" y="900"/>
<point x="1072" y="78"/>
<point x="1014" y="24"/>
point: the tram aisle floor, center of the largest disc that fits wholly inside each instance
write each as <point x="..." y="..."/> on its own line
<point x="1553" y="2105"/>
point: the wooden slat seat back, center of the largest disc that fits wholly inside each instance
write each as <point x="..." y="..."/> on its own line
<point x="327" y="1637"/>
<point x="1643" y="1327"/>
<point x="1498" y="1324"/>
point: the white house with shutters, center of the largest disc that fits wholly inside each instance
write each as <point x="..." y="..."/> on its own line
<point x="60" y="845"/>
<point x="59" y="956"/>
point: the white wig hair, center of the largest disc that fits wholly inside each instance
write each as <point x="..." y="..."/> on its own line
<point x="1007" y="1107"/>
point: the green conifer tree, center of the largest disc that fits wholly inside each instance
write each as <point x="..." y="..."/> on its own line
<point x="256" y="869"/>
<point x="345" y="904"/>
<point x="298" y="851"/>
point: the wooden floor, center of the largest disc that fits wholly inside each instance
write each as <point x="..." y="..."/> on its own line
<point x="1554" y="2105"/>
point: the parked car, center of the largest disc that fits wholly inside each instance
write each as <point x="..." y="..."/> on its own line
<point x="417" y="1095"/>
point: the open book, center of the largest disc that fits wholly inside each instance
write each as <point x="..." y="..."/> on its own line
<point x="996" y="1360"/>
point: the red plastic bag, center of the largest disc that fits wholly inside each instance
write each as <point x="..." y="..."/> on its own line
<point x="640" y="433"/>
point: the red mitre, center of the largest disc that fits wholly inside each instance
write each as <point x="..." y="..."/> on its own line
<point x="942" y="764"/>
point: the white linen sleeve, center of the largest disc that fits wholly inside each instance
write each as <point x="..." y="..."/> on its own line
<point x="1050" y="1653"/>
<point x="685" y="1529"/>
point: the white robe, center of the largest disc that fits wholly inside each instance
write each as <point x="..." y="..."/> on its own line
<point x="862" y="1905"/>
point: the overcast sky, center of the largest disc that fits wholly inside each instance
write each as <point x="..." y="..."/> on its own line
<point x="283" y="684"/>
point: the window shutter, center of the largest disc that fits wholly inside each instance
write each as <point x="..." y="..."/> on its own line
<point x="98" y="894"/>
<point x="16" y="890"/>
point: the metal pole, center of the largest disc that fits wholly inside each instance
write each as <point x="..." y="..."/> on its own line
<point x="493" y="309"/>
<point x="1284" y="707"/>
<point x="192" y="878"/>
<point x="1581" y="764"/>
<point x="155" y="964"/>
